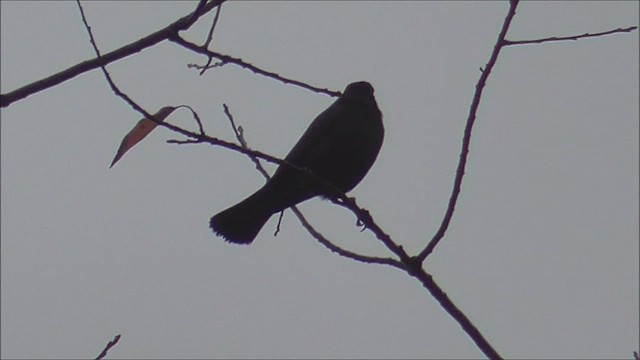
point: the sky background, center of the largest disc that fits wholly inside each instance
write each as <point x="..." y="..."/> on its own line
<point x="542" y="253"/>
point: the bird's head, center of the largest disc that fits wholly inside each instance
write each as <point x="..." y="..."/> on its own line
<point x="360" y="91"/>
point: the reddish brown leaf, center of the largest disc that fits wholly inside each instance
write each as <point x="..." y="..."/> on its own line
<point x="140" y="131"/>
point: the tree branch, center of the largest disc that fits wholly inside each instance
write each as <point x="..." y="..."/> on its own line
<point x="106" y="349"/>
<point x="466" y="139"/>
<point x="565" y="38"/>
<point x="85" y="66"/>
<point x="226" y="59"/>
<point x="464" y="322"/>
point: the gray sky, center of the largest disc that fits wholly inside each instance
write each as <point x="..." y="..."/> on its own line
<point x="542" y="254"/>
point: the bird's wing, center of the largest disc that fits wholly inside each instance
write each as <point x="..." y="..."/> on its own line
<point x="319" y="134"/>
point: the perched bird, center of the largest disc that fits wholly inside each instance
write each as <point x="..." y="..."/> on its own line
<point x="339" y="146"/>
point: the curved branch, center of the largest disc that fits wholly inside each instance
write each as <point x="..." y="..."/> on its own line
<point x="466" y="140"/>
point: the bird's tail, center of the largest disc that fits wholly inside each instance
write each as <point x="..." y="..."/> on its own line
<point x="241" y="223"/>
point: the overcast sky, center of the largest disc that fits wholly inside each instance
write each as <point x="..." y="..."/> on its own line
<point x="542" y="253"/>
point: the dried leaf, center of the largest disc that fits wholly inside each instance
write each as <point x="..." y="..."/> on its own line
<point x="140" y="131"/>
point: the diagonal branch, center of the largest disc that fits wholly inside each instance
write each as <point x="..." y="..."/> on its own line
<point x="226" y="59"/>
<point x="127" y="50"/>
<point x="365" y="217"/>
<point x="565" y="38"/>
<point x="210" y="38"/>
<point x="109" y="345"/>
<point x="464" y="322"/>
<point x="466" y="140"/>
<point x="213" y="27"/>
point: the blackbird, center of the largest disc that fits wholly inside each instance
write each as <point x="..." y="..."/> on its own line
<point x="339" y="146"/>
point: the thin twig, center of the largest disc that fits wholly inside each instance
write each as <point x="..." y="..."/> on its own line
<point x="366" y="219"/>
<point x="183" y="142"/>
<point x="195" y="115"/>
<point x="565" y="38"/>
<point x="86" y="25"/>
<point x="237" y="130"/>
<point x="213" y="26"/>
<point x="280" y="217"/>
<point x="226" y="59"/>
<point x="342" y="252"/>
<point x="210" y="38"/>
<point x="110" y="344"/>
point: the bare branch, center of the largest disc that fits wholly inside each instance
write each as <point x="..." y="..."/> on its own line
<point x="342" y="252"/>
<point x="85" y="66"/>
<point x="565" y="38"/>
<point x="226" y="59"/>
<point x="183" y="142"/>
<point x="110" y="344"/>
<point x="466" y="139"/>
<point x="446" y="303"/>
<point x="213" y="27"/>
<point x="365" y="217"/>
<point x="196" y="117"/>
<point x="237" y="130"/>
<point x="210" y="38"/>
<point x="86" y="25"/>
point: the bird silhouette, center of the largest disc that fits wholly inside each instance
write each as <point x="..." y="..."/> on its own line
<point x="339" y="146"/>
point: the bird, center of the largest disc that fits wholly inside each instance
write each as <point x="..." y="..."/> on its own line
<point x="339" y="146"/>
